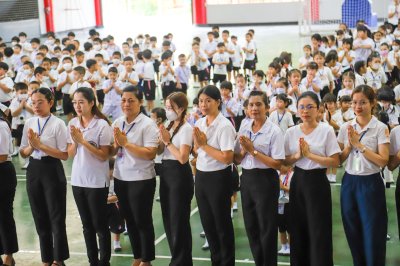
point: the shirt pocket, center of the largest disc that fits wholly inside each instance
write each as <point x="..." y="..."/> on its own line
<point x="318" y="149"/>
<point x="264" y="148"/>
<point x="370" y="142"/>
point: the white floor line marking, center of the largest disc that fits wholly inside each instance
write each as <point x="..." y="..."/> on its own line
<point x="163" y="236"/>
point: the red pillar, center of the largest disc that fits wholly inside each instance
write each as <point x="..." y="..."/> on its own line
<point x="314" y="10"/>
<point x="48" y="11"/>
<point x="98" y="13"/>
<point x="199" y="12"/>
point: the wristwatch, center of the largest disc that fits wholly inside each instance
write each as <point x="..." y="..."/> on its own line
<point x="255" y="153"/>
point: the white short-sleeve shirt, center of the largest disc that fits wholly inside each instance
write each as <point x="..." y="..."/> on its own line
<point x="133" y="75"/>
<point x="220" y="69"/>
<point x="53" y="134"/>
<point x="79" y="84"/>
<point x="268" y="140"/>
<point x="394" y="141"/>
<point x="6" y="145"/>
<point x="142" y="132"/>
<point x="87" y="170"/>
<point x="22" y="117"/>
<point x="184" y="136"/>
<point x="5" y="97"/>
<point x="283" y="121"/>
<point x="376" y="133"/>
<point x="112" y="97"/>
<point x="221" y="136"/>
<point x="61" y="78"/>
<point x="322" y="142"/>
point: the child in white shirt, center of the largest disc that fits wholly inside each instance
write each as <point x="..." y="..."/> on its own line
<point x="112" y="89"/>
<point x="375" y="75"/>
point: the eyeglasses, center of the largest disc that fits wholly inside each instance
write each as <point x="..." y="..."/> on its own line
<point x="306" y="107"/>
<point x="361" y="103"/>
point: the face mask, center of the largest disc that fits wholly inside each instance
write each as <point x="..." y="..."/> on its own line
<point x="116" y="61"/>
<point x="140" y="41"/>
<point x="384" y="53"/>
<point x="105" y="46"/>
<point x="27" y="72"/>
<point x="194" y="109"/>
<point x="280" y="90"/>
<point x="51" y="42"/>
<point x="39" y="62"/>
<point x="23" y="97"/>
<point x="171" y="115"/>
<point x="97" y="47"/>
<point x="67" y="66"/>
<point x="375" y="66"/>
<point x="388" y="31"/>
<point x="54" y="67"/>
<point x="395" y="48"/>
<point x="13" y="43"/>
<point x="58" y="55"/>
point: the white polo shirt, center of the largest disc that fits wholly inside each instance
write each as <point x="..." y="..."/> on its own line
<point x="53" y="134"/>
<point x="5" y="97"/>
<point x="268" y="140"/>
<point x="144" y="132"/>
<point x="183" y="137"/>
<point x="133" y="75"/>
<point x="283" y="121"/>
<point x="220" y="69"/>
<point x="15" y="103"/>
<point x="376" y="133"/>
<point x="87" y="170"/>
<point x="394" y="141"/>
<point x="322" y="142"/>
<point x="148" y="71"/>
<point x="221" y="136"/>
<point x="61" y="78"/>
<point x="6" y="144"/>
<point x="112" y="97"/>
<point x="79" y="84"/>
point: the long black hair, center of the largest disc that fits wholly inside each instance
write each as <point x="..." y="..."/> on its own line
<point x="212" y="92"/>
<point x="88" y="94"/>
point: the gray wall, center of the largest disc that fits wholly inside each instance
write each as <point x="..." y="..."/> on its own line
<point x="12" y="28"/>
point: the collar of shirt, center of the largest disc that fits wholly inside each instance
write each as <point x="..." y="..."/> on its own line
<point x="264" y="129"/>
<point x="372" y="124"/>
<point x="92" y="124"/>
<point x="135" y="121"/>
<point x="214" y="123"/>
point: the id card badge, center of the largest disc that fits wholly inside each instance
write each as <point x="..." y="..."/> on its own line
<point x="120" y="156"/>
<point x="356" y="165"/>
<point x="36" y="155"/>
<point x="281" y="208"/>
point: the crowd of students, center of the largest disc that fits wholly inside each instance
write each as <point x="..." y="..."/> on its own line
<point x="288" y="129"/>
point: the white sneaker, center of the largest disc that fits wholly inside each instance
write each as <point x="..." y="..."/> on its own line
<point x="286" y="252"/>
<point x="205" y="246"/>
<point x="117" y="246"/>
<point x="235" y="207"/>
<point x="203" y="234"/>
<point x="282" y="250"/>
<point x="231" y="213"/>
<point x="59" y="108"/>
<point x="25" y="165"/>
<point x="332" y="178"/>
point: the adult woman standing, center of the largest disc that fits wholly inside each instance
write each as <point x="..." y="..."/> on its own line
<point x="365" y="144"/>
<point x="260" y="153"/>
<point x="8" y="233"/>
<point x="44" y="140"/>
<point x="136" y="141"/>
<point x="214" y="138"/>
<point x="89" y="142"/>
<point x="311" y="147"/>
<point x="176" y="181"/>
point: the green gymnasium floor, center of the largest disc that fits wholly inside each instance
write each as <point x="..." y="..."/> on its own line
<point x="29" y="245"/>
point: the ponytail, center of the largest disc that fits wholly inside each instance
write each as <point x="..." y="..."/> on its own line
<point x="88" y="94"/>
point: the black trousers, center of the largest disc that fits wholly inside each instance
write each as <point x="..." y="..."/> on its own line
<point x="260" y="193"/>
<point x="213" y="193"/>
<point x="310" y="218"/>
<point x="136" y="206"/>
<point x="92" y="207"/>
<point x="47" y="191"/>
<point x="176" y="193"/>
<point x="8" y="232"/>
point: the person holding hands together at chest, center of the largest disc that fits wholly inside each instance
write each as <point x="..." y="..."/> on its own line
<point x="365" y="145"/>
<point x="89" y="143"/>
<point x="260" y="150"/>
<point x="311" y="147"/>
<point x="44" y="140"/>
<point x="176" y="180"/>
<point x="214" y="138"/>
<point x="136" y="141"/>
